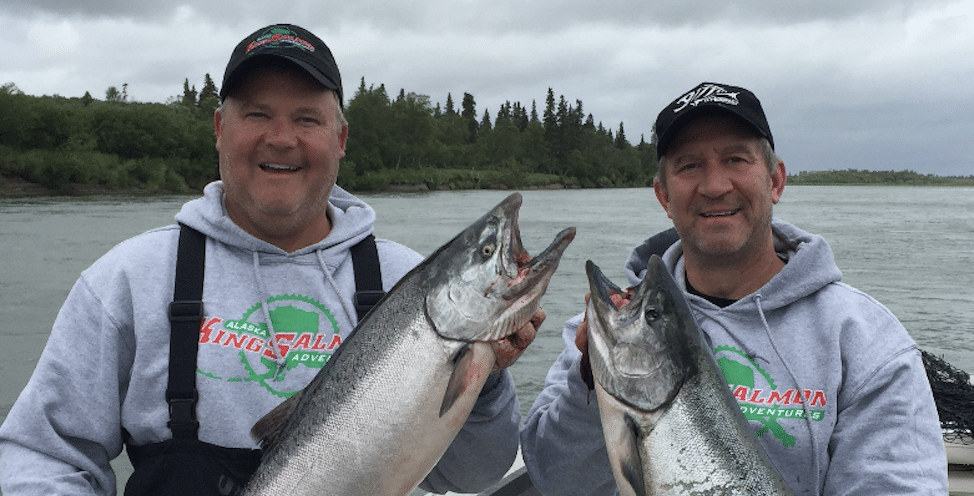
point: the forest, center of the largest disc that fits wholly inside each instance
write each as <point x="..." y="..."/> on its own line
<point x="401" y="142"/>
<point x="395" y="142"/>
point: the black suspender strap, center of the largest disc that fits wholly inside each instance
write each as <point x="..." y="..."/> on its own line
<point x="368" y="276"/>
<point x="185" y="317"/>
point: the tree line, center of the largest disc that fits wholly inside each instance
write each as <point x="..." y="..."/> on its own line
<point x="400" y="141"/>
<point x="858" y="177"/>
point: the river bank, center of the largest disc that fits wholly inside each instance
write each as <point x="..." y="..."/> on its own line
<point x="14" y="187"/>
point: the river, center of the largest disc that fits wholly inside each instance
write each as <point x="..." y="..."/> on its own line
<point x="909" y="247"/>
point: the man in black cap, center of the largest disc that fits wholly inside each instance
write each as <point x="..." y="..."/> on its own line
<point x="180" y="375"/>
<point x="828" y="378"/>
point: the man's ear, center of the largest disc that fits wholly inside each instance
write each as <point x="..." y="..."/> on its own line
<point x="662" y="196"/>
<point x="778" y="179"/>
<point x="343" y="138"/>
<point x="218" y="126"/>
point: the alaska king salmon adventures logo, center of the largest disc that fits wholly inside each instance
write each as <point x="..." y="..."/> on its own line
<point x="305" y="335"/>
<point x="280" y="37"/>
<point x="760" y="399"/>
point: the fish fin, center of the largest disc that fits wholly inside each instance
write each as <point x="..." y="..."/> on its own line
<point x="632" y="463"/>
<point x="454" y="388"/>
<point x="267" y="431"/>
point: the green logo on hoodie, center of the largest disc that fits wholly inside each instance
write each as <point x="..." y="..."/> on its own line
<point x="761" y="400"/>
<point x="305" y="333"/>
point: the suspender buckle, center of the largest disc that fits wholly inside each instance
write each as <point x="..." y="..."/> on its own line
<point x="186" y="311"/>
<point x="366" y="299"/>
<point x="182" y="415"/>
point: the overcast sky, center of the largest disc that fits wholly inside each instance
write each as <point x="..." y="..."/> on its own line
<point x="865" y="84"/>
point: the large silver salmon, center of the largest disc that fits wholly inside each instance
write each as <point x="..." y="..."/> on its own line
<point x="387" y="405"/>
<point x="670" y="422"/>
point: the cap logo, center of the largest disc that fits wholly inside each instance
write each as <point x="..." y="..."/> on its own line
<point x="704" y="94"/>
<point x="279" y="38"/>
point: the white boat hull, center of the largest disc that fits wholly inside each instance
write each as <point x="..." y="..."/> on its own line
<point x="960" y="468"/>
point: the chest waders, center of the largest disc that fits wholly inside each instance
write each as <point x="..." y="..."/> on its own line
<point x="184" y="465"/>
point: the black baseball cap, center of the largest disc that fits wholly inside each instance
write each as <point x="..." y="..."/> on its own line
<point x="709" y="98"/>
<point x="289" y="42"/>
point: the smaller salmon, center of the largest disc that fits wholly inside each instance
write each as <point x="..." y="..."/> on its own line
<point x="670" y="422"/>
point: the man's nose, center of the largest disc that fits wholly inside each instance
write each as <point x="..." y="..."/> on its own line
<point x="716" y="181"/>
<point x="281" y="133"/>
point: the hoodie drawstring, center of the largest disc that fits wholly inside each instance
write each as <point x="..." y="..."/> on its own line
<point x="349" y="311"/>
<point x="271" y="334"/>
<point x="281" y="361"/>
<point x="794" y="378"/>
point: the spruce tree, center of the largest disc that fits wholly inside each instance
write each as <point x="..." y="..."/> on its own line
<point x="449" y="105"/>
<point x="189" y="94"/>
<point x="209" y="98"/>
<point x="484" y="124"/>
<point x="469" y="114"/>
<point x="209" y="89"/>
<point x="621" y="142"/>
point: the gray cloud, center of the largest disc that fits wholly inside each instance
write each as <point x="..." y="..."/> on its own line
<point x="495" y="16"/>
<point x="873" y="84"/>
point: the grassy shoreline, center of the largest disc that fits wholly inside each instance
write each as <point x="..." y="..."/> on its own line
<point x="15" y="187"/>
<point x="12" y="187"/>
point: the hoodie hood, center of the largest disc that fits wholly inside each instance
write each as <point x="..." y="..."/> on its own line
<point x="352" y="220"/>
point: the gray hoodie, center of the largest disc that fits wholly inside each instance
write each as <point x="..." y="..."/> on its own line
<point x="828" y="378"/>
<point x="105" y="366"/>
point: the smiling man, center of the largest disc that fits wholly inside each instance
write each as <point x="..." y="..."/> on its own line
<point x="280" y="134"/>
<point x="279" y="295"/>
<point x="828" y="378"/>
<point x="719" y="192"/>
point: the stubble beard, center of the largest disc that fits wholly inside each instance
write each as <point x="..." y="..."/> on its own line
<point x="721" y="249"/>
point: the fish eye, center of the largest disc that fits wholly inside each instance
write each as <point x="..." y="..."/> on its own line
<point x="652" y="314"/>
<point x="487" y="250"/>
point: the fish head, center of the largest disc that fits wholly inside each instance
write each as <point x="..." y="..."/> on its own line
<point x="638" y="352"/>
<point x="483" y="285"/>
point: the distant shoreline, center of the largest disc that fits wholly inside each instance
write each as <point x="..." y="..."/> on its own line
<point x="13" y="187"/>
<point x="18" y="188"/>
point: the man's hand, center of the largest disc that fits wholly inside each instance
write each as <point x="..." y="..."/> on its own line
<point x="581" y="334"/>
<point x="510" y="348"/>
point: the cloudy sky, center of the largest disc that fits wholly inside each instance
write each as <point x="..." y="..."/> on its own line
<point x="865" y="84"/>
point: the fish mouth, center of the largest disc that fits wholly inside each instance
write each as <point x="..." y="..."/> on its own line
<point x="524" y="271"/>
<point x="484" y="285"/>
<point x="526" y="277"/>
<point x="636" y="353"/>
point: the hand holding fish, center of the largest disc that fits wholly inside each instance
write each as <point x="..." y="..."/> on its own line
<point x="581" y="335"/>
<point x="510" y="348"/>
